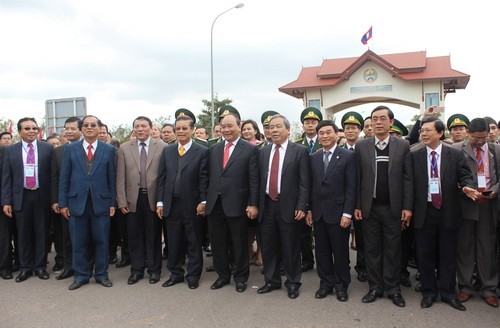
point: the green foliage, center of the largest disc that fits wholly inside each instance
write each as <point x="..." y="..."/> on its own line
<point x="205" y="117"/>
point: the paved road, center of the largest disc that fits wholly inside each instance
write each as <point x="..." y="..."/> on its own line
<point x="37" y="303"/>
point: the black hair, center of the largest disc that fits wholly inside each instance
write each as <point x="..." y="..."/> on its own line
<point x="327" y="123"/>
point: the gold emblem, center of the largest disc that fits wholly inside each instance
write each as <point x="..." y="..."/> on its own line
<point x="225" y="112"/>
<point x="181" y="114"/>
<point x="311" y="113"/>
<point x="457" y="120"/>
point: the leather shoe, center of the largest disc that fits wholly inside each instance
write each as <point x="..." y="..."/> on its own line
<point x="342" y="296"/>
<point x="65" y="274"/>
<point x="371" y="296"/>
<point x="7" y="275"/>
<point x="418" y="287"/>
<point x="362" y="276"/>
<point x="455" y="303"/>
<point x="491" y="300"/>
<point x="42" y="274"/>
<point x="267" y="288"/>
<point x="134" y="278"/>
<point x="193" y="284"/>
<point x="405" y="281"/>
<point x="463" y="296"/>
<point x="306" y="266"/>
<point x="397" y="299"/>
<point x="123" y="263"/>
<point x="58" y="267"/>
<point x="105" y="282"/>
<point x="241" y="287"/>
<point x="77" y="284"/>
<point x="426" y="302"/>
<point x="23" y="276"/>
<point x="170" y="282"/>
<point x="219" y="283"/>
<point x="322" y="293"/>
<point x="154" y="278"/>
<point x="293" y="292"/>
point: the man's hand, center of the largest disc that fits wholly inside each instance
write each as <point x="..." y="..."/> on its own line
<point x="200" y="209"/>
<point x="55" y="208"/>
<point x="358" y="215"/>
<point x="124" y="210"/>
<point x="65" y="212"/>
<point x="472" y="193"/>
<point x="345" y="222"/>
<point x="159" y="212"/>
<point x="112" y="212"/>
<point x="309" y="218"/>
<point x="299" y="215"/>
<point x="252" y="212"/>
<point x="7" y="210"/>
<point x="405" y="218"/>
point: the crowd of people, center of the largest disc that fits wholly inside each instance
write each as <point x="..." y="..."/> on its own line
<point x="398" y="198"/>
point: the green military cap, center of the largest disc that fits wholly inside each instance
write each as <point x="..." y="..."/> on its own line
<point x="457" y="120"/>
<point x="352" y="118"/>
<point x="266" y="116"/>
<point x="398" y="127"/>
<point x="185" y="112"/>
<point x="226" y="110"/>
<point x="311" y="112"/>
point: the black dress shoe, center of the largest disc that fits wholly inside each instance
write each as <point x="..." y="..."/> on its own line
<point x="342" y="296"/>
<point x="112" y="259"/>
<point x="267" y="288"/>
<point x="154" y="278"/>
<point x="65" y="274"/>
<point x="210" y="268"/>
<point x="322" y="293"/>
<point x="170" y="282"/>
<point x="6" y="275"/>
<point x="426" y="302"/>
<point x="58" y="267"/>
<point x="293" y="293"/>
<point x="134" y="278"/>
<point x="306" y="266"/>
<point x="405" y="281"/>
<point x="371" y="296"/>
<point x="77" y="284"/>
<point x="418" y="287"/>
<point x="397" y="299"/>
<point x="42" y="274"/>
<point x="241" y="287"/>
<point x="219" y="283"/>
<point x="362" y="276"/>
<point x="193" y="284"/>
<point x="24" y="275"/>
<point x="104" y="282"/>
<point x="455" y="303"/>
<point x="123" y="263"/>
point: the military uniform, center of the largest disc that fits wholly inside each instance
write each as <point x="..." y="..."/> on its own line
<point x="399" y="129"/>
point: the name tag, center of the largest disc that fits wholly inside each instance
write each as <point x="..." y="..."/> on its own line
<point x="434" y="186"/>
<point x="481" y="181"/>
<point x="29" y="170"/>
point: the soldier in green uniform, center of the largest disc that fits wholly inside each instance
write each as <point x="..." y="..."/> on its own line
<point x="223" y="111"/>
<point x="264" y="119"/>
<point x="457" y="126"/>
<point x="352" y="123"/>
<point x="188" y="113"/>
<point x="398" y="130"/>
<point x="310" y="117"/>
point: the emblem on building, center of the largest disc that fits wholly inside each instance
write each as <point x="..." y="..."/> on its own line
<point x="370" y="75"/>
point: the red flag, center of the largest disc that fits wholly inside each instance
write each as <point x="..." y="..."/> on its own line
<point x="367" y="36"/>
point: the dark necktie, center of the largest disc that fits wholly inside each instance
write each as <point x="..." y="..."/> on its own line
<point x="311" y="146"/>
<point x="143" y="163"/>
<point x="226" y="154"/>
<point x="435" y="198"/>
<point x="273" y="176"/>
<point x="30" y="160"/>
<point x="90" y="155"/>
<point x="326" y="160"/>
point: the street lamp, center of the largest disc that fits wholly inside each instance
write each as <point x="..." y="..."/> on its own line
<point x="212" y="107"/>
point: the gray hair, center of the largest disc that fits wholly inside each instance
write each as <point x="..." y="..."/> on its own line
<point x="287" y="122"/>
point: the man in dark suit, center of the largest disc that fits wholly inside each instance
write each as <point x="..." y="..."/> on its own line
<point x="26" y="195"/>
<point x="87" y="196"/>
<point x="333" y="199"/>
<point x="284" y="197"/>
<point x="136" y="179"/>
<point x="233" y="196"/>
<point x="72" y="131"/>
<point x="385" y="203"/>
<point x="477" y="236"/>
<point x="181" y="195"/>
<point x="6" y="226"/>
<point x="438" y="171"/>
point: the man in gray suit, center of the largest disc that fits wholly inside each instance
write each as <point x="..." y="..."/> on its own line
<point x="385" y="203"/>
<point x="285" y="187"/>
<point x="136" y="175"/>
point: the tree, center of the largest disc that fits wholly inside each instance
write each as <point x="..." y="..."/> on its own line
<point x="205" y="117"/>
<point x="121" y="133"/>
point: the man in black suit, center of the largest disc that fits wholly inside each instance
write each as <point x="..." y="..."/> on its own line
<point x="284" y="197"/>
<point x="333" y="199"/>
<point x="181" y="195"/>
<point x="438" y="171"/>
<point x="6" y="226"/>
<point x="26" y="194"/>
<point x="385" y="203"/>
<point x="233" y="196"/>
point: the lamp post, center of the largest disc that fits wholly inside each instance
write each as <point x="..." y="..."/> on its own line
<point x="212" y="106"/>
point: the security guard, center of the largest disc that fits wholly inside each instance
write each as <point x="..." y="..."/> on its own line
<point x="398" y="130"/>
<point x="264" y="119"/>
<point x="352" y="123"/>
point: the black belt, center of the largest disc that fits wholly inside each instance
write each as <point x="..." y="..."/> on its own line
<point x="31" y="189"/>
<point x="143" y="191"/>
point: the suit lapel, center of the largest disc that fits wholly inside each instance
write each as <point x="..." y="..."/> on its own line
<point x="445" y="161"/>
<point x="288" y="156"/>
<point x="153" y="146"/>
<point x="236" y="152"/>
<point x="336" y="156"/>
<point x="133" y="148"/>
<point x="372" y="158"/>
<point x="189" y="155"/>
<point x="98" y="154"/>
<point x="80" y="155"/>
<point x="393" y="145"/>
<point x="422" y="160"/>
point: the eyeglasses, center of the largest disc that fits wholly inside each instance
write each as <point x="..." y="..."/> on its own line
<point x="381" y="118"/>
<point x="426" y="130"/>
<point x="479" y="138"/>
<point x="28" y="128"/>
<point x="86" y="125"/>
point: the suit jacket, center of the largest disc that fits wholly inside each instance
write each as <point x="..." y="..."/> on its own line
<point x="470" y="208"/>
<point x="56" y="172"/>
<point x="400" y="175"/>
<point x="333" y="192"/>
<point x="453" y="174"/>
<point x="238" y="182"/>
<point x="128" y="173"/>
<point x="194" y="178"/>
<point x="13" y="174"/>
<point x="295" y="180"/>
<point x="75" y="184"/>
<point x="2" y="152"/>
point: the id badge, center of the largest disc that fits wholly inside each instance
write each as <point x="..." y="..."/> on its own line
<point x="481" y="181"/>
<point x="434" y="186"/>
<point x="29" y="170"/>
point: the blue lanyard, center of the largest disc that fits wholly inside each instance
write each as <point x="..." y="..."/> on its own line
<point x="434" y="166"/>
<point x="479" y="163"/>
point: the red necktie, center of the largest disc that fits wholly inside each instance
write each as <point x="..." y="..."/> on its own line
<point x="30" y="159"/>
<point x="89" y="153"/>
<point x="479" y="164"/>
<point x="226" y="154"/>
<point x="435" y="198"/>
<point x="273" y="176"/>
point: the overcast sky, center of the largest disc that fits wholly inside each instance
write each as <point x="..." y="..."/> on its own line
<point x="151" y="57"/>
